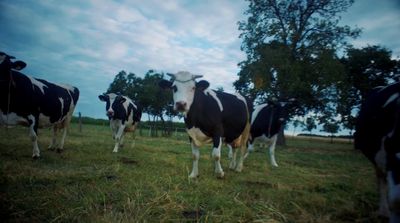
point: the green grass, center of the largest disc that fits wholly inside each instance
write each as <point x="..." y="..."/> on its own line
<point x="316" y="182"/>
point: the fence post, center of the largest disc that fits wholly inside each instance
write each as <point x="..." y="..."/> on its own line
<point x="80" y="122"/>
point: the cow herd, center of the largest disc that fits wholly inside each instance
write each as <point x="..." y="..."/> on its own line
<point x="210" y="116"/>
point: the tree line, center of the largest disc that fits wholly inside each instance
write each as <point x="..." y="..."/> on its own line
<point x="295" y="49"/>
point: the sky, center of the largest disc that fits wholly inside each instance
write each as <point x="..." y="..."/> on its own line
<point x="86" y="43"/>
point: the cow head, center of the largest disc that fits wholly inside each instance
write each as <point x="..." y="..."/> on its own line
<point x="280" y="109"/>
<point x="183" y="85"/>
<point x="114" y="102"/>
<point x="6" y="65"/>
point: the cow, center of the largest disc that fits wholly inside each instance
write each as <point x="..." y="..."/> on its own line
<point x="377" y="135"/>
<point x="34" y="102"/>
<point x="210" y="116"/>
<point x="124" y="116"/>
<point x="266" y="121"/>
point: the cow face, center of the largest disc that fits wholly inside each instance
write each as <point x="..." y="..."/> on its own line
<point x="183" y="86"/>
<point x="114" y="103"/>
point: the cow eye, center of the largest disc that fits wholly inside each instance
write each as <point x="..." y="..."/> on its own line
<point x="174" y="88"/>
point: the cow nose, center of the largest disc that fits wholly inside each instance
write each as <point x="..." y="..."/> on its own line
<point x="110" y="113"/>
<point x="180" y="106"/>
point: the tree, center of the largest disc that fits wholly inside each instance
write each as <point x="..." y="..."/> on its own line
<point x="309" y="124"/>
<point x="331" y="127"/>
<point x="145" y="92"/>
<point x="155" y="102"/>
<point x="366" y="68"/>
<point x="119" y="83"/>
<point x="291" y="51"/>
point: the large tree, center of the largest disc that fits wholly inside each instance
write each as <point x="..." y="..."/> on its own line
<point x="366" y="68"/>
<point x="291" y="51"/>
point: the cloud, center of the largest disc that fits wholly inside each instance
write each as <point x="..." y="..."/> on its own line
<point x="86" y="43"/>
<point x="380" y="22"/>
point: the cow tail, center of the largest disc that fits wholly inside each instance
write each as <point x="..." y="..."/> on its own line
<point x="246" y="132"/>
<point x="75" y="95"/>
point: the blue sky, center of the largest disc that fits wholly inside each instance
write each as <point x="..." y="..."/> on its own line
<point x="86" y="43"/>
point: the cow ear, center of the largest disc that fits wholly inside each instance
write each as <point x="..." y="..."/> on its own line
<point x="202" y="85"/>
<point x="18" y="65"/>
<point x="164" y="84"/>
<point x="103" y="97"/>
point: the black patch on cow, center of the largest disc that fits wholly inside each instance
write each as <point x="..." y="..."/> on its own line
<point x="25" y="98"/>
<point x="267" y="122"/>
<point x="375" y="121"/>
<point x="205" y="114"/>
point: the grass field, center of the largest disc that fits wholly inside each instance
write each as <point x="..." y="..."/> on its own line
<point x="316" y="182"/>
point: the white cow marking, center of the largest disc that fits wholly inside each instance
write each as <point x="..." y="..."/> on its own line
<point x="391" y="98"/>
<point x="38" y="84"/>
<point x="240" y="97"/>
<point x="198" y="136"/>
<point x="214" y="95"/>
<point x="257" y="110"/>
<point x="62" y="104"/>
<point x="380" y="157"/>
<point x="12" y="119"/>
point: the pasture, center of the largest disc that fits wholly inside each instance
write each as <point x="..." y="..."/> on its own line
<point x="316" y="181"/>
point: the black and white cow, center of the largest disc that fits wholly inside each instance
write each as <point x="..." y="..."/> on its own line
<point x="210" y="116"/>
<point x="124" y="116"/>
<point x="378" y="137"/>
<point x="266" y="121"/>
<point x="33" y="102"/>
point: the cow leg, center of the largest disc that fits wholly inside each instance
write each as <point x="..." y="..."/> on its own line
<point x="114" y="129"/>
<point x="53" y="143"/>
<point x="195" y="156"/>
<point x="243" y="152"/>
<point x="64" y="134"/>
<point x="383" y="192"/>
<point x="272" y="150"/>
<point x="232" y="157"/>
<point x="33" y="127"/>
<point x="121" y="140"/>
<point x="216" y="154"/>
<point x="118" y="136"/>
<point x="244" y="138"/>
<point x="250" y="148"/>
<point x="393" y="196"/>
<point x="230" y="153"/>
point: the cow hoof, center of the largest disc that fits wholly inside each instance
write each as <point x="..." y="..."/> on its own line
<point x="220" y="175"/>
<point x="115" y="151"/>
<point x="193" y="176"/>
<point x="51" y="148"/>
<point x="238" y="169"/>
<point x="58" y="150"/>
<point x="35" y="157"/>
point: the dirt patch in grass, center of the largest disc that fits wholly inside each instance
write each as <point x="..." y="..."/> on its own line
<point x="126" y="160"/>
